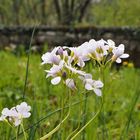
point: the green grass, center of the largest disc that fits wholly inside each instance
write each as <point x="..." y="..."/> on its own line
<point x="121" y="108"/>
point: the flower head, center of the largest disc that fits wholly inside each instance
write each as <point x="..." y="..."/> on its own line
<point x="91" y="84"/>
<point x="118" y="53"/>
<point x="16" y="114"/>
<point x="51" y="57"/>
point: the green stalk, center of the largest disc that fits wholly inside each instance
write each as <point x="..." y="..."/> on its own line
<point x="27" y="65"/>
<point x="59" y="125"/>
<point x="56" y="128"/>
<point x="73" y="132"/>
<point x="133" y="103"/>
<point x="17" y="134"/>
<point x="50" y="114"/>
<point x="104" y="130"/>
<point x="25" y="137"/>
<point x="84" y="115"/>
<point x="88" y="121"/>
<point x="27" y="70"/>
<point x="62" y="111"/>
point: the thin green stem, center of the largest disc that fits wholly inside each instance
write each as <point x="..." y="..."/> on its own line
<point x="16" y="131"/>
<point x="102" y="74"/>
<point x="16" y="134"/>
<point x="73" y="132"/>
<point x="27" y="65"/>
<point x="84" y="115"/>
<point x="50" y="114"/>
<point x="133" y="103"/>
<point x="58" y="126"/>
<point x="62" y="111"/>
<point x="88" y="121"/>
<point x="24" y="133"/>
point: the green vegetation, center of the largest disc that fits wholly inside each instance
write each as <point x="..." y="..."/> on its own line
<point x="121" y="108"/>
<point x="48" y="12"/>
<point x="117" y="13"/>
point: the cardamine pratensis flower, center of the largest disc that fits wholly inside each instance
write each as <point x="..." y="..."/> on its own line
<point x="16" y="114"/>
<point x="118" y="53"/>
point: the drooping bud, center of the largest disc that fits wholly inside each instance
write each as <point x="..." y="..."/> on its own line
<point x="60" y="51"/>
<point x="64" y="75"/>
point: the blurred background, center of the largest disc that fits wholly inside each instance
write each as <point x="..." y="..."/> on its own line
<point x="70" y="12"/>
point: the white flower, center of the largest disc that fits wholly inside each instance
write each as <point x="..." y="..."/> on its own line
<point x="70" y="83"/>
<point x="101" y="50"/>
<point x="118" y="53"/>
<point x="16" y="114"/>
<point x="23" y="109"/>
<point x="91" y="84"/>
<point x="110" y="44"/>
<point x="56" y="73"/>
<point x="5" y="112"/>
<point x="87" y="49"/>
<point x="78" y="56"/>
<point x="51" y="57"/>
<point x="95" y="49"/>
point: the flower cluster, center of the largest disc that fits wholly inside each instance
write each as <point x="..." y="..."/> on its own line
<point x="67" y="62"/>
<point x="16" y="114"/>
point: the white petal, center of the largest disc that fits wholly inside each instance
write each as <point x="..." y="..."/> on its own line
<point x="92" y="41"/>
<point x="70" y="83"/>
<point x="111" y="42"/>
<point x="98" y="84"/>
<point x="26" y="114"/>
<point x="121" y="46"/>
<point x="88" y="76"/>
<point x="88" y="87"/>
<point x="17" y="122"/>
<point x="5" y="112"/>
<point x="2" y="118"/>
<point x="56" y="80"/>
<point x="118" y="60"/>
<point x="81" y="63"/>
<point x="124" y="55"/>
<point x="55" y="59"/>
<point x="98" y="92"/>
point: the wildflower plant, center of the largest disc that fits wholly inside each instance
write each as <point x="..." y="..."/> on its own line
<point x="14" y="116"/>
<point x="67" y="68"/>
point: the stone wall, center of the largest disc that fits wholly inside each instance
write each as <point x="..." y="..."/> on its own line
<point x="55" y="36"/>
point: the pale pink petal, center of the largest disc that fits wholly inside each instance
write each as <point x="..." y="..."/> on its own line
<point x="121" y="46"/>
<point x="88" y="76"/>
<point x="98" y="84"/>
<point x="81" y="63"/>
<point x="118" y="60"/>
<point x="56" y="80"/>
<point x="70" y="83"/>
<point x="98" y="92"/>
<point x="124" y="55"/>
<point x="17" y="121"/>
<point x="88" y="87"/>
<point x="111" y="42"/>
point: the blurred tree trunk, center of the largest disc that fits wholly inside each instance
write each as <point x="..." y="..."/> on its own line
<point x="58" y="9"/>
<point x="16" y="10"/>
<point x="70" y="11"/>
<point x="82" y="9"/>
<point x="43" y="11"/>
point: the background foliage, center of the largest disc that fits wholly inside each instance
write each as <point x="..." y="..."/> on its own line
<point x="92" y="12"/>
